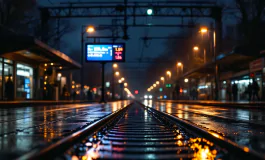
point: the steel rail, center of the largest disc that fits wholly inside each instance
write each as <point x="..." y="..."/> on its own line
<point x="223" y="142"/>
<point x="62" y="145"/>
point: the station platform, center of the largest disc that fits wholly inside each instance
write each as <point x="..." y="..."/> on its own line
<point x="6" y="104"/>
<point x="240" y="104"/>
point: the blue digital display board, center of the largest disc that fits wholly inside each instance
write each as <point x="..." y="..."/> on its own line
<point x="105" y="52"/>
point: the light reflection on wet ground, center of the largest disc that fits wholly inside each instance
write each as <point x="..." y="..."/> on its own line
<point x="139" y="135"/>
<point x="22" y="129"/>
<point x="242" y="133"/>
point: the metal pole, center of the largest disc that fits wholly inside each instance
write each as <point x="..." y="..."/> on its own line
<point x="113" y="84"/>
<point x="217" y="38"/>
<point x="204" y="55"/>
<point x="122" y="88"/>
<point x="103" y="83"/>
<point x="82" y="63"/>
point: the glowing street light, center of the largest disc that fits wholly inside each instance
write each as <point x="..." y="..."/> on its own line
<point x="162" y="78"/>
<point x="195" y="48"/>
<point x="90" y="29"/>
<point x="203" y="30"/>
<point x="115" y="65"/>
<point x="119" y="81"/>
<point x="179" y="64"/>
<point x="168" y="73"/>
<point x="125" y="84"/>
<point x="154" y="85"/>
<point x="186" y="80"/>
<point x="149" y="11"/>
<point x="122" y="79"/>
<point x="151" y="87"/>
<point x="157" y="82"/>
<point x="117" y="73"/>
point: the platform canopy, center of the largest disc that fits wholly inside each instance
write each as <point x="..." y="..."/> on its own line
<point x="29" y="50"/>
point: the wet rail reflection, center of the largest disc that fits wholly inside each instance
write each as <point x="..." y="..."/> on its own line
<point x="247" y="134"/>
<point x="22" y="129"/>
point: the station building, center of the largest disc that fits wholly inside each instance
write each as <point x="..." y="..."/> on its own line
<point x="234" y="67"/>
<point x="34" y="69"/>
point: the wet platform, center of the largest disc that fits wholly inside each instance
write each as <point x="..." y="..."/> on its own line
<point x="39" y="103"/>
<point x="244" y="126"/>
<point x="244" y="104"/>
<point x="25" y="128"/>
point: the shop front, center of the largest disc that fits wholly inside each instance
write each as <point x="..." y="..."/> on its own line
<point x="242" y="80"/>
<point x="29" y="69"/>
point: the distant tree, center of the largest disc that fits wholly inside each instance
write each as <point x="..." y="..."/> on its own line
<point x="14" y="13"/>
<point x="56" y="30"/>
<point x="252" y="22"/>
<point x="23" y="16"/>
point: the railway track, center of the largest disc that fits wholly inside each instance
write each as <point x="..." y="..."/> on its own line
<point x="140" y="132"/>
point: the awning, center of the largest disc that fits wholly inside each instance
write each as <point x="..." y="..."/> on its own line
<point x="202" y="71"/>
<point x="227" y="62"/>
<point x="32" y="51"/>
<point x="233" y="61"/>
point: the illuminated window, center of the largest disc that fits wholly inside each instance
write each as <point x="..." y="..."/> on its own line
<point x="24" y="81"/>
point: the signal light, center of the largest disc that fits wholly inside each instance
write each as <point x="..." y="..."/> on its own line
<point x="136" y="91"/>
<point x="149" y="11"/>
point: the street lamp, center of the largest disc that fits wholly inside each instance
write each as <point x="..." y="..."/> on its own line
<point x="162" y="79"/>
<point x="125" y="84"/>
<point x="115" y="65"/>
<point x="169" y="74"/>
<point x="154" y="85"/>
<point x="157" y="82"/>
<point x="122" y="79"/>
<point x="204" y="30"/>
<point x="179" y="67"/>
<point x="186" y="80"/>
<point x="195" y="48"/>
<point x="149" y="11"/>
<point x="117" y="73"/>
<point x="89" y="29"/>
<point x="179" y="64"/>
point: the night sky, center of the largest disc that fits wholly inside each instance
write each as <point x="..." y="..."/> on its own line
<point x="133" y="72"/>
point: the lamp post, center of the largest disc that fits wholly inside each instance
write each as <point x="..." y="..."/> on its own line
<point x="169" y="75"/>
<point x="215" y="49"/>
<point x="179" y="67"/>
<point x="89" y="29"/>
<point x="162" y="79"/>
<point x="196" y="49"/>
<point x="114" y="66"/>
<point x="203" y="31"/>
